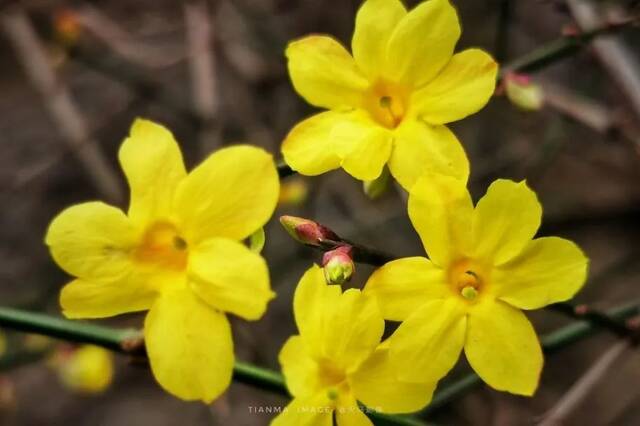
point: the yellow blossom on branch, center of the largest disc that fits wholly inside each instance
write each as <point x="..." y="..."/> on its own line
<point x="337" y="359"/>
<point x="177" y="252"/>
<point x="484" y="267"/>
<point x="87" y="369"/>
<point x="390" y="101"/>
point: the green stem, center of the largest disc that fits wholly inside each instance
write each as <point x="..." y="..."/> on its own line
<point x="129" y="341"/>
<point x="561" y="48"/>
<point x="551" y="343"/>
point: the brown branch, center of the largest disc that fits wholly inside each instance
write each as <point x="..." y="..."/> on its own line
<point x="584" y="386"/>
<point x="59" y="103"/>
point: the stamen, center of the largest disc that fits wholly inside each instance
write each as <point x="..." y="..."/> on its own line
<point x="385" y="102"/>
<point x="179" y="243"/>
<point x="469" y="293"/>
<point x="332" y="394"/>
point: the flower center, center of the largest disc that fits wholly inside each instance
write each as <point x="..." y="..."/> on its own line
<point x="333" y="379"/>
<point x="467" y="280"/>
<point x="162" y="246"/>
<point x="386" y="102"/>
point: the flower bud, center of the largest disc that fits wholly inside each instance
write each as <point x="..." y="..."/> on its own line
<point x="67" y="26"/>
<point x="377" y="187"/>
<point x="307" y="231"/>
<point x="338" y="265"/>
<point x="87" y="369"/>
<point x="523" y="92"/>
<point x="293" y="192"/>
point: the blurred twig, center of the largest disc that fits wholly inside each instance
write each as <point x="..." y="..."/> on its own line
<point x="204" y="92"/>
<point x="110" y="33"/>
<point x="58" y="101"/>
<point x="562" y="47"/>
<point x="612" y="52"/>
<point x="581" y="389"/>
<point x="136" y="79"/>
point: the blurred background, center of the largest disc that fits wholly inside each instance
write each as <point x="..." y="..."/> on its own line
<point x="74" y="75"/>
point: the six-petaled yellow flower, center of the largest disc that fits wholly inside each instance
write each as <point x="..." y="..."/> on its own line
<point x="390" y="101"/>
<point x="484" y="267"/>
<point x="337" y="359"/>
<point x="177" y="252"/>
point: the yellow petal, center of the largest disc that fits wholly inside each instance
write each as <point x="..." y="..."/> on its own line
<point x="404" y="285"/>
<point x="92" y="240"/>
<point x="100" y="299"/>
<point x="329" y="140"/>
<point x="324" y="73"/>
<point x="549" y="270"/>
<point x="420" y="148"/>
<point x="300" y="370"/>
<point x="422" y="43"/>
<point x="375" y="384"/>
<point x="441" y="211"/>
<point x="344" y="328"/>
<point x="504" y="221"/>
<point x="428" y="343"/>
<point x="375" y="21"/>
<point x="502" y="347"/>
<point x="230" y="277"/>
<point x="311" y="411"/>
<point x="462" y="88"/>
<point x="354" y="328"/>
<point x="363" y="145"/>
<point x="308" y="148"/>
<point x="153" y="165"/>
<point x="350" y="414"/>
<point x="189" y="346"/>
<point x="311" y="300"/>
<point x="231" y="194"/>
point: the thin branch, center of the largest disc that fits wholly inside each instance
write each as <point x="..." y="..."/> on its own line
<point x="551" y="343"/>
<point x="562" y="48"/>
<point x="614" y="55"/>
<point x="130" y="342"/>
<point x="198" y="24"/>
<point x="584" y="386"/>
<point x="133" y="77"/>
<point x="59" y="103"/>
<point x="583" y="312"/>
<point x="101" y="26"/>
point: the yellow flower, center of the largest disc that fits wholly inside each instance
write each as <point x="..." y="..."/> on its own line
<point x="177" y="253"/>
<point x="484" y="268"/>
<point x="88" y="369"/>
<point x="389" y="102"/>
<point x="337" y="359"/>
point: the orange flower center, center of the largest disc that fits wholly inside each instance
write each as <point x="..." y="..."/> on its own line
<point x="386" y="102"/>
<point x="162" y="246"/>
<point x="468" y="279"/>
<point x="333" y="379"/>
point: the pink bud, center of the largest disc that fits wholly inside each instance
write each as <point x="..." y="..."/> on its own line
<point x="307" y="231"/>
<point x="338" y="265"/>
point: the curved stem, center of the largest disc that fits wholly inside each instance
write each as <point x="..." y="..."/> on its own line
<point x="130" y="341"/>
